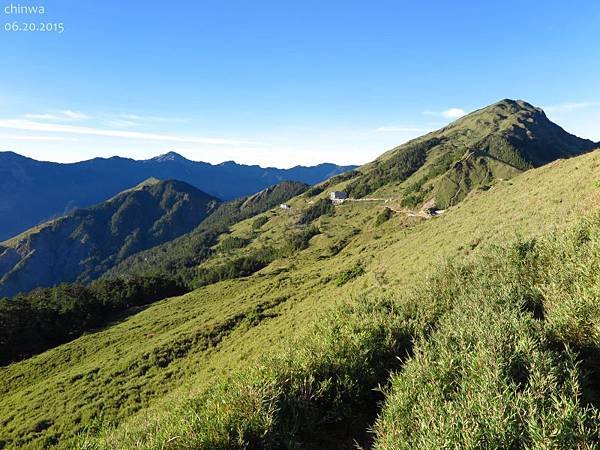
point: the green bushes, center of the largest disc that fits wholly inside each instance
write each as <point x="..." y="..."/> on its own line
<point x="320" y="208"/>
<point x="313" y="191"/>
<point x="241" y="266"/>
<point x="349" y="275"/>
<point x="410" y="201"/>
<point x="487" y="377"/>
<point x="316" y="395"/>
<point x="515" y="362"/>
<point x="233" y="243"/>
<point x="259" y="222"/>
<point x="299" y="240"/>
<point x="383" y="216"/>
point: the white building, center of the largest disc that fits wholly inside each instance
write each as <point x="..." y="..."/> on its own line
<point x="285" y="206"/>
<point x="338" y="196"/>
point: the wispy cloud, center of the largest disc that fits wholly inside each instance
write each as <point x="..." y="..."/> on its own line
<point x="451" y="113"/>
<point x="568" y="107"/>
<point x="135" y="120"/>
<point x="27" y="137"/>
<point x="138" y="118"/>
<point x="27" y="125"/>
<point x="120" y="123"/>
<point x="401" y="129"/>
<point x="115" y="120"/>
<point x="64" y="115"/>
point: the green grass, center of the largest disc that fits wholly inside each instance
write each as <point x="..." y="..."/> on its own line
<point x="136" y="377"/>
<point x="515" y="362"/>
<point x="481" y="355"/>
<point x="304" y="397"/>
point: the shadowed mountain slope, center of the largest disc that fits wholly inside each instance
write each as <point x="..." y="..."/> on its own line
<point x="85" y="243"/>
<point x="181" y="256"/>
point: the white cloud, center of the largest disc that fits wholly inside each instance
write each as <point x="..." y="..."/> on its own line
<point x="65" y="115"/>
<point x="453" y="113"/>
<point x="135" y="120"/>
<point x="27" y="125"/>
<point x="74" y="115"/>
<point x="25" y="137"/>
<point x="401" y="129"/>
<point x="567" y="107"/>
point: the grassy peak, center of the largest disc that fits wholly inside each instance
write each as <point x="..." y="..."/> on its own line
<point x="491" y="143"/>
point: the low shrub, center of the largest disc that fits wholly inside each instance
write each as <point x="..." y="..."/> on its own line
<point x="313" y="191"/>
<point x="515" y="362"/>
<point x="233" y="243"/>
<point x="383" y="216"/>
<point x="349" y="275"/>
<point x="259" y="222"/>
<point x="299" y="240"/>
<point x="241" y="266"/>
<point x="320" y="208"/>
<point x="410" y="201"/>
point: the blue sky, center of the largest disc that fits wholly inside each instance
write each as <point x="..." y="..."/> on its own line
<point x="285" y="82"/>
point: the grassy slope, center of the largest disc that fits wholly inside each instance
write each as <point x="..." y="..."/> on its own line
<point x="496" y="142"/>
<point x="178" y="347"/>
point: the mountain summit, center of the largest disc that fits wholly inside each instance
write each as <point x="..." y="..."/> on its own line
<point x="169" y="157"/>
<point x="442" y="167"/>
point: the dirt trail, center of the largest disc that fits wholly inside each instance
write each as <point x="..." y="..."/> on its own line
<point x="387" y="204"/>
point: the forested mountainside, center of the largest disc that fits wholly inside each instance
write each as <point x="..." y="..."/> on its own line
<point x="45" y="317"/>
<point x="85" y="243"/>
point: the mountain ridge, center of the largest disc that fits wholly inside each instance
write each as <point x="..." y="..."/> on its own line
<point x="140" y="371"/>
<point x="403" y="191"/>
<point x="443" y="166"/>
<point x="82" y="184"/>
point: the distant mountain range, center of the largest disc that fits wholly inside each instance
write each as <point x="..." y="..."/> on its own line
<point x="35" y="191"/>
<point x="88" y="241"/>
